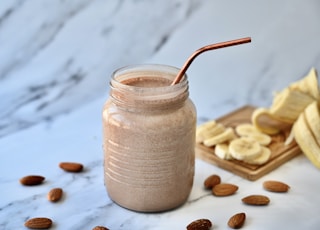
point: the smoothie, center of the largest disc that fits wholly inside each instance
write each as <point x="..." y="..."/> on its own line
<point x="149" y="140"/>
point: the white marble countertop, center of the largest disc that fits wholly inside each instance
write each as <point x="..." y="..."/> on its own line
<point x="56" y="58"/>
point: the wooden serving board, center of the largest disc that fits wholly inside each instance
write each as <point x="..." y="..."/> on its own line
<point x="280" y="153"/>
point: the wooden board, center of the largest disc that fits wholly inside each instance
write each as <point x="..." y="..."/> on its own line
<point x="280" y="153"/>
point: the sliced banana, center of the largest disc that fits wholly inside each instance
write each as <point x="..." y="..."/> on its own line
<point x="263" y="139"/>
<point x="208" y="130"/>
<point x="243" y="148"/>
<point x="203" y="128"/>
<point x="206" y="125"/>
<point x="245" y="129"/>
<point x="262" y="158"/>
<point x="222" y="151"/>
<point x="227" y="135"/>
<point x="250" y="131"/>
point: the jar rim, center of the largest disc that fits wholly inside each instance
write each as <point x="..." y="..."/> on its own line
<point x="139" y="96"/>
<point x="169" y="72"/>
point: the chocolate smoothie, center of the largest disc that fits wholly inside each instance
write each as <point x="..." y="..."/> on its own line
<point x="149" y="139"/>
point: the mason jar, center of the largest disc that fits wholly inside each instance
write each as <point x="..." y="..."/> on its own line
<point x="148" y="138"/>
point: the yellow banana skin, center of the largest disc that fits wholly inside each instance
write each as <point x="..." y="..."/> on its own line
<point x="265" y="122"/>
<point x="308" y="84"/>
<point x="312" y="117"/>
<point x="306" y="140"/>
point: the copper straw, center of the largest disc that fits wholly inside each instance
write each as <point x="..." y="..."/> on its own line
<point x="206" y="48"/>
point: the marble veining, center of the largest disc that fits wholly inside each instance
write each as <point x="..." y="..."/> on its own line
<point x="62" y="53"/>
<point x="56" y="59"/>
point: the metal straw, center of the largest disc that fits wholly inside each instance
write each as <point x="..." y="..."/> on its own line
<point x="206" y="48"/>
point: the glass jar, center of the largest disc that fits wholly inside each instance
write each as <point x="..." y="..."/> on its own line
<point x="148" y="138"/>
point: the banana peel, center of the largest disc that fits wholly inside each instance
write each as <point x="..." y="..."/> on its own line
<point x="296" y="107"/>
<point x="306" y="140"/>
<point x="308" y="84"/>
<point x="267" y="123"/>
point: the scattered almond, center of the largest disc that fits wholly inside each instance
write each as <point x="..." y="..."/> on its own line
<point x="224" y="189"/>
<point x="275" y="186"/>
<point x="201" y="224"/>
<point x="237" y="220"/>
<point x="256" y="200"/>
<point x="32" y="180"/>
<point x="100" y="228"/>
<point x="71" y="166"/>
<point x="55" y="194"/>
<point x="212" y="181"/>
<point x="38" y="223"/>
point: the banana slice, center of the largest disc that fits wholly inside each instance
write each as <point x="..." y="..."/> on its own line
<point x="250" y="131"/>
<point x="202" y="129"/>
<point x="245" y="129"/>
<point x="208" y="130"/>
<point x="227" y="135"/>
<point x="262" y="139"/>
<point x="243" y="148"/>
<point x="306" y="141"/>
<point x="206" y="125"/>
<point x="262" y="158"/>
<point x="222" y="151"/>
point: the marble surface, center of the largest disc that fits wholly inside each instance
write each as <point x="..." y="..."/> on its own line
<point x="56" y="58"/>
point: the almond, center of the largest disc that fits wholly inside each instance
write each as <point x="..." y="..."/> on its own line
<point x="55" y="194"/>
<point x="237" y="220"/>
<point x="71" y="166"/>
<point x="38" y="223"/>
<point x="224" y="189"/>
<point x="32" y="180"/>
<point x="201" y="224"/>
<point x="212" y="181"/>
<point x="275" y="186"/>
<point x="256" y="200"/>
<point x="100" y="228"/>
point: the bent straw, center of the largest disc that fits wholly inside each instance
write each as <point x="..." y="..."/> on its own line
<point x="207" y="48"/>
